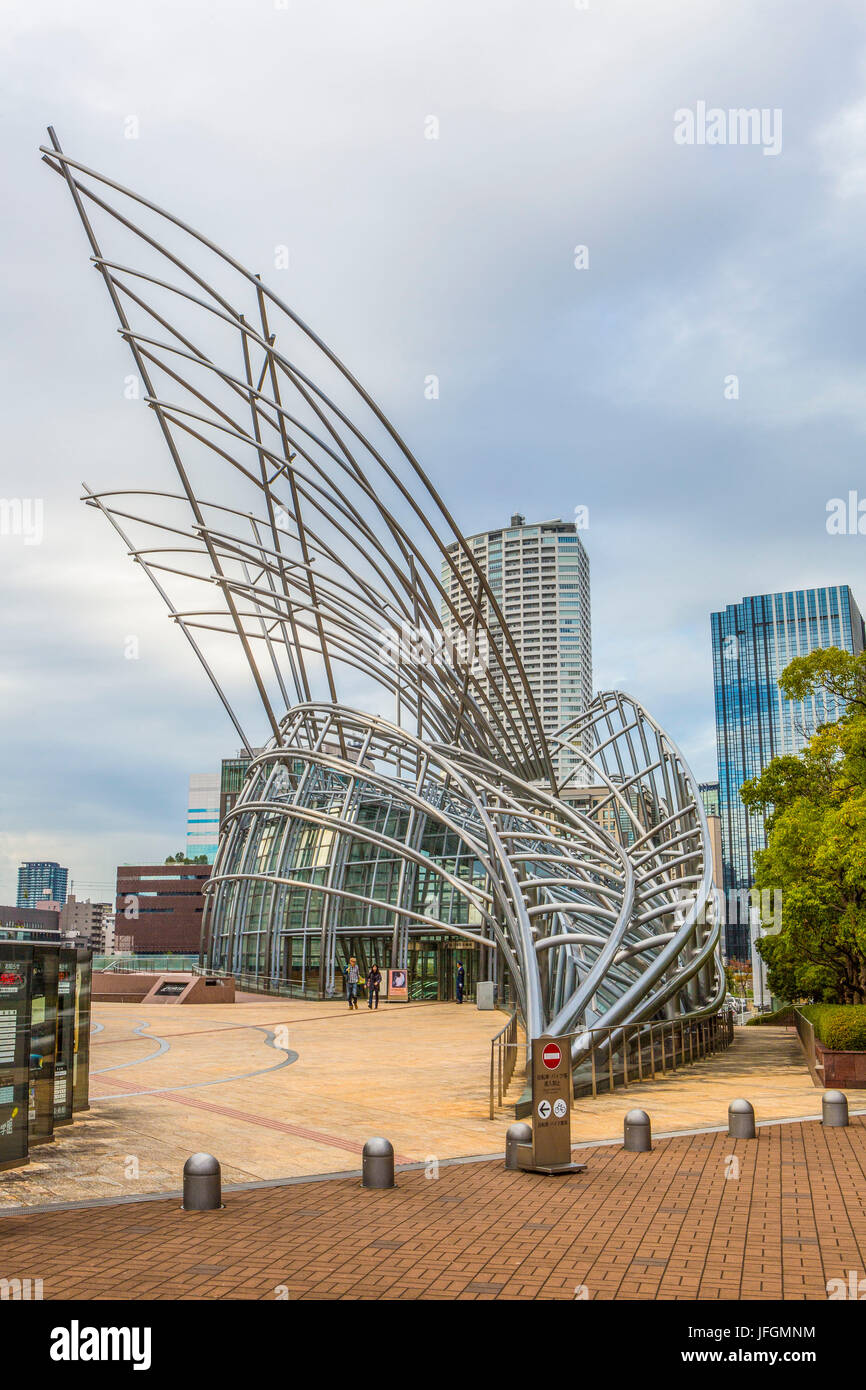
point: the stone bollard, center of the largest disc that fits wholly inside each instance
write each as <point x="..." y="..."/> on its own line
<point x="202" y="1183"/>
<point x="834" y="1109"/>
<point x="637" y="1135"/>
<point x="377" y="1166"/>
<point x="741" y="1120"/>
<point x="516" y="1135"/>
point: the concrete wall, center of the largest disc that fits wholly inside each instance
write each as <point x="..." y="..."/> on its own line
<point x="110" y="987"/>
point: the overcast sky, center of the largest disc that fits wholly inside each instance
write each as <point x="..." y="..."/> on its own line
<point x="305" y="125"/>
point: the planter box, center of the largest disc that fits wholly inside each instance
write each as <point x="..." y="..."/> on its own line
<point x="841" y="1069"/>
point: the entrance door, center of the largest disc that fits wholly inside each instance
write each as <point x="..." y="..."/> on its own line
<point x="423" y="971"/>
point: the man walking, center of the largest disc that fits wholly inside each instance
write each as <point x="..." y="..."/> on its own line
<point x="373" y="981"/>
<point x="352" y="974"/>
<point x="461" y="981"/>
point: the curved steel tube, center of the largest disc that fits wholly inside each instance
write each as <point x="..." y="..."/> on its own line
<point x="326" y="548"/>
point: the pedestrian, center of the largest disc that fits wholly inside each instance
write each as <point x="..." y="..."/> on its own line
<point x="352" y="974"/>
<point x="373" y="981"/>
<point x="461" y="981"/>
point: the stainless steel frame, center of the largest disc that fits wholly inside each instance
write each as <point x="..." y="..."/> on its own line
<point x="302" y="528"/>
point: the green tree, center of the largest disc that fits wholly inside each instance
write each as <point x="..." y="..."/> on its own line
<point x="815" y="809"/>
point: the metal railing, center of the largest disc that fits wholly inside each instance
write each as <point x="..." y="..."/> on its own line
<point x="503" y="1060"/>
<point x="620" y="1055"/>
<point x="806" y="1035"/>
<point x="249" y="983"/>
<point x="623" y="1056"/>
<point x="145" y="965"/>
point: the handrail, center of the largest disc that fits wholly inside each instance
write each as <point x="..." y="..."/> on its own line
<point x="623" y="1054"/>
<point x="806" y="1034"/>
<point x="503" y="1060"/>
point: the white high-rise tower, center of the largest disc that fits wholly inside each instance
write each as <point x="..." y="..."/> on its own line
<point x="539" y="576"/>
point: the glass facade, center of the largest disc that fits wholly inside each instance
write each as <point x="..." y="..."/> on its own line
<point x="752" y="642"/>
<point x="710" y="797"/>
<point x="342" y="893"/>
<point x="41" y="881"/>
<point x="203" y="816"/>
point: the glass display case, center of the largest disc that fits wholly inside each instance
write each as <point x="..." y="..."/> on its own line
<point x="64" y="1053"/>
<point x="81" y="1043"/>
<point x="43" y="1043"/>
<point x="16" y="970"/>
<point x="45" y="995"/>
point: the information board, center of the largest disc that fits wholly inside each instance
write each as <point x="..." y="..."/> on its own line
<point x="551" y="1102"/>
<point x="14" y="1054"/>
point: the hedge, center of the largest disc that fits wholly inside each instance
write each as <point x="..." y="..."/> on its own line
<point x="783" y="1015"/>
<point x="840" y="1027"/>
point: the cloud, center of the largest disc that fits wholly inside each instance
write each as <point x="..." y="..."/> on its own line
<point x="304" y="127"/>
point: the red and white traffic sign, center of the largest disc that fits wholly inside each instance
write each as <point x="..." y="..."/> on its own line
<point x="551" y="1055"/>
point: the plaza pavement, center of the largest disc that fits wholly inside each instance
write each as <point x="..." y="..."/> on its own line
<point x="167" y="1081"/>
<point x="701" y="1217"/>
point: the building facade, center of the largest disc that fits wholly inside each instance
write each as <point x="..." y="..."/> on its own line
<point x="539" y="577"/>
<point x="203" y="816"/>
<point x="753" y="641"/>
<point x="159" y="906"/>
<point x="29" y="924"/>
<point x="40" y="881"/>
<point x="232" y="774"/>
<point x="710" y="797"/>
<point x="91" y="923"/>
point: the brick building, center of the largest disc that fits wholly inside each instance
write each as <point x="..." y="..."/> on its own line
<point x="159" y="906"/>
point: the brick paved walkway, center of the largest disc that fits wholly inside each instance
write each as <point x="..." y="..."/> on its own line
<point x="167" y="1082"/>
<point x="683" y="1222"/>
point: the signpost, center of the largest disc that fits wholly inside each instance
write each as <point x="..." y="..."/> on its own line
<point x="551" y="1108"/>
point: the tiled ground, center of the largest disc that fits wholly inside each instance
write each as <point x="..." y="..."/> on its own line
<point x="701" y="1217"/>
<point x="168" y="1081"/>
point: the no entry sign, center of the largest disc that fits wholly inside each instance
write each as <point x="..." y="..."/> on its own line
<point x="551" y="1103"/>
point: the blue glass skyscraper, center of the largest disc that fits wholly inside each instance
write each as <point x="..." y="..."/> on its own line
<point x="753" y="641"/>
<point x="41" y="881"/>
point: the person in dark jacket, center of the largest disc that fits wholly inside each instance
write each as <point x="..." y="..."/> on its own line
<point x="461" y="981"/>
<point x="373" y="981"/>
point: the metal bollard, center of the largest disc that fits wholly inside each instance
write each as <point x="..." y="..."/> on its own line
<point x="202" y="1183"/>
<point x="377" y="1167"/>
<point x="514" y="1136"/>
<point x="834" y="1109"/>
<point x="741" y="1120"/>
<point x="637" y="1134"/>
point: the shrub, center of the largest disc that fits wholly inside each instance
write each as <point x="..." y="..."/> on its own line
<point x="840" y="1027"/>
<point x="783" y="1015"/>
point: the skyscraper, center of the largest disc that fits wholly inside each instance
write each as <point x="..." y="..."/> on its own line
<point x="203" y="815"/>
<point x="539" y="576"/>
<point x="753" y="641"/>
<point x="710" y="797"/>
<point x="41" y="881"/>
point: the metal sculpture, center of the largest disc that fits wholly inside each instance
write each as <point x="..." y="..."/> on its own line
<point x="301" y="526"/>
